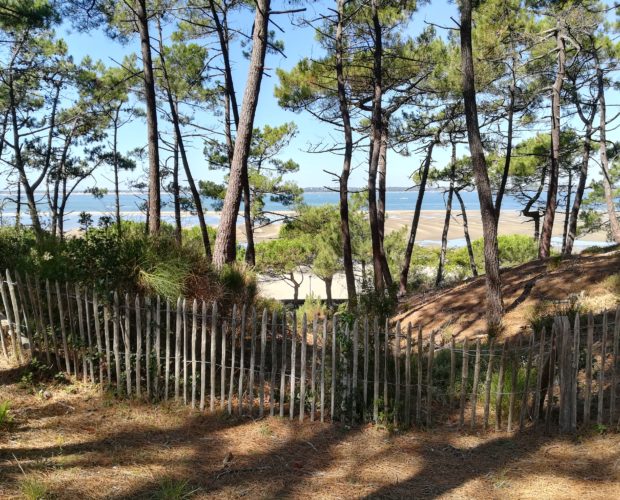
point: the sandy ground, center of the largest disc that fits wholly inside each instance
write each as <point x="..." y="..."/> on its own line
<point x="78" y="443"/>
<point x="459" y="310"/>
<point x="431" y="226"/>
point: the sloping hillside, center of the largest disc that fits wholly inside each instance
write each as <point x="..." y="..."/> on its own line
<point x="460" y="311"/>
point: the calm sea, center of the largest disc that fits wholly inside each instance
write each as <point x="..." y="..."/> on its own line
<point x="132" y="205"/>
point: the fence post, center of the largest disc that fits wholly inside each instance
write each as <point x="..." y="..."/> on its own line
<point x="302" y="370"/>
<point x="283" y="368"/>
<point x="242" y="358"/>
<point x="397" y="375"/>
<point x="157" y="348"/>
<point x="333" y="384"/>
<point x="526" y="390"/>
<point x="138" y="347"/>
<point x="223" y="370"/>
<point x="552" y="359"/>
<point x="601" y="373"/>
<point x="487" y="386"/>
<point x="233" y="339"/>
<point x="539" y="369"/>
<point x="376" y="367"/>
<point x="149" y="348"/>
<point x="252" y="360"/>
<point x="429" y="379"/>
<point x="418" y="407"/>
<point x="203" y="356"/>
<point x="500" y="390"/>
<point x="355" y="370"/>
<point x="293" y="367"/>
<point x="213" y="355"/>
<point x="386" y="350"/>
<point x="474" y="392"/>
<point x="167" y="349"/>
<point x="587" y="399"/>
<point x="614" y="368"/>
<point x="464" y="379"/>
<point x="106" y="334"/>
<point x="98" y="336"/>
<point x="313" y="370"/>
<point x="513" y="383"/>
<point x="116" y="341"/>
<point x="274" y="364"/>
<point x="323" y="349"/>
<point x="194" y="339"/>
<point x="451" y="389"/>
<point x="17" y="340"/>
<point x="408" y="378"/>
<point x="17" y="352"/>
<point x="50" y="314"/>
<point x="177" y="351"/>
<point x="261" y="373"/>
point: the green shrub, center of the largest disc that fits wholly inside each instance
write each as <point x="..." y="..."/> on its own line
<point x="312" y="306"/>
<point x="33" y="489"/>
<point x="5" y="416"/>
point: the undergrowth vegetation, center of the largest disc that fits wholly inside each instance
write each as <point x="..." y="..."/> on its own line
<point x="128" y="261"/>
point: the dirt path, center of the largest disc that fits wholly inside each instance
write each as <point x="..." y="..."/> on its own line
<point x="75" y="443"/>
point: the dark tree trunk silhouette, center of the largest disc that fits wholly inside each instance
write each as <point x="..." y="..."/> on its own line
<point x="347" y="248"/>
<point x="154" y="203"/>
<point x="225" y="242"/>
<point x="494" y="305"/>
<point x="470" y="249"/>
<point x="567" y="210"/>
<point x="404" y="273"/>
<point x="607" y="183"/>
<point x="176" y="193"/>
<point x="554" y="172"/>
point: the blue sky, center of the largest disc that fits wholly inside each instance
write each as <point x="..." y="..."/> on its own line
<point x="299" y="42"/>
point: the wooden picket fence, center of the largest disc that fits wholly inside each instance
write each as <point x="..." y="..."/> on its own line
<point x="361" y="370"/>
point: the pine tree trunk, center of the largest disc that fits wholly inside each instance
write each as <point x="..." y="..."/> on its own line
<point x="347" y="248"/>
<point x="446" y="223"/>
<point x="226" y="238"/>
<point x="178" y="136"/>
<point x="328" y="291"/>
<point x="607" y="183"/>
<point x="554" y="172"/>
<point x="117" y="196"/>
<point x="382" y="174"/>
<point x="494" y="303"/>
<point x="404" y="273"/>
<point x="470" y="249"/>
<point x="567" y="208"/>
<point x="502" y="187"/>
<point x="154" y="203"/>
<point x="176" y="193"/>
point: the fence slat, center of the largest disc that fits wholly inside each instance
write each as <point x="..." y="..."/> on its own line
<point x="185" y="353"/>
<point x="194" y="354"/>
<point x="203" y="357"/>
<point x="178" y="325"/>
<point x="587" y="399"/>
<point x="252" y="361"/>
<point x="601" y="373"/>
<point x="355" y="370"/>
<point x="526" y="390"/>
<point x="284" y="365"/>
<point x="148" y="352"/>
<point x="157" y="378"/>
<point x="323" y="349"/>
<point x="552" y="359"/>
<point x="302" y="369"/>
<point x="127" y="343"/>
<point x="242" y="358"/>
<point x="451" y="389"/>
<point x="261" y="373"/>
<point x="376" y="368"/>
<point x="513" y="387"/>
<point x="82" y="349"/>
<point x="418" y="405"/>
<point x="386" y="350"/>
<point x="464" y="380"/>
<point x="50" y="315"/>
<point x="487" y="386"/>
<point x="274" y="364"/>
<point x="116" y="341"/>
<point x="313" y="370"/>
<point x="138" y="346"/>
<point x="35" y="301"/>
<point x="12" y="326"/>
<point x="293" y="367"/>
<point x="397" y="375"/>
<point x="408" y="377"/>
<point x="614" y="368"/>
<point x="233" y="350"/>
<point x="575" y="369"/>
<point x="106" y="334"/>
<point x="223" y="367"/>
<point x="499" y="396"/>
<point x="429" y="379"/>
<point x="212" y="347"/>
<point x="73" y="351"/>
<point x="91" y="364"/>
<point x="539" y="369"/>
<point x="25" y="314"/>
<point x="167" y="349"/>
<point x="474" y="391"/>
<point x="98" y="336"/>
